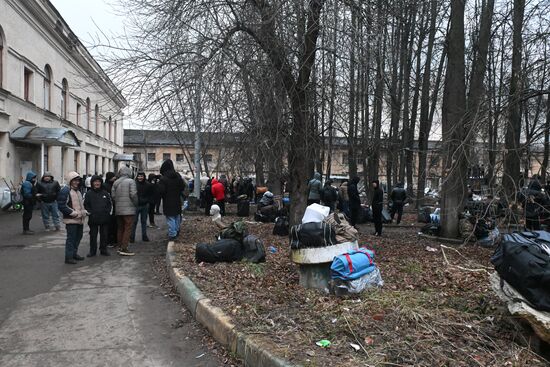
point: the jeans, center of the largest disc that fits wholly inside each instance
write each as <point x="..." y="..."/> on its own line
<point x="47" y="209"/>
<point x="174" y="223"/>
<point x="141" y="213"/>
<point x="27" y="215"/>
<point x="103" y="230"/>
<point x="74" y="235"/>
<point x="124" y="229"/>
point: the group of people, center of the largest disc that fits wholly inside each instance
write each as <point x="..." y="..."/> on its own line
<point x="347" y="199"/>
<point x="113" y="207"/>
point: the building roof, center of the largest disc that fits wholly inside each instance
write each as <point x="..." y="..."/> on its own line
<point x="160" y="137"/>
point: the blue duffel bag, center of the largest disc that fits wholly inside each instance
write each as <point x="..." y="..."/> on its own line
<point x="353" y="265"/>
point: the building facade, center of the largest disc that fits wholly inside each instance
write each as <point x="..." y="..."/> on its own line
<point x="59" y="111"/>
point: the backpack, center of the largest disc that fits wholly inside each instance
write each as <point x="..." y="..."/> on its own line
<point x="281" y="226"/>
<point x="353" y="265"/>
<point x="523" y="260"/>
<point x="236" y="231"/>
<point x="243" y="208"/>
<point x="225" y="250"/>
<point x="253" y="248"/>
<point x="313" y="234"/>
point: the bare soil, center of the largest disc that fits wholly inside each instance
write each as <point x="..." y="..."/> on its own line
<point x="436" y="307"/>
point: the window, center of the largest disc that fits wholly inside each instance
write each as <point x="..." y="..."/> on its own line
<point x="151" y="157"/>
<point x="64" y="98"/>
<point x="137" y="156"/>
<point x="1" y="55"/>
<point x="105" y="129"/>
<point x="76" y="162"/>
<point x="27" y="86"/>
<point x="87" y="117"/>
<point x="166" y="156"/>
<point x="115" y="133"/>
<point x="47" y="88"/>
<point x="179" y="157"/>
<point x="78" y="110"/>
<point x="96" y="120"/>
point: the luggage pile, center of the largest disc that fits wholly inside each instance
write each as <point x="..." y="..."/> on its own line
<point x="355" y="272"/>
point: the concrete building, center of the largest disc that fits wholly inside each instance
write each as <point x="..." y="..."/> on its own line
<point x="58" y="109"/>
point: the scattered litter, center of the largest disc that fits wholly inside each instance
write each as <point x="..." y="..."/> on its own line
<point x="334" y="321"/>
<point x="378" y="317"/>
<point x="323" y="343"/>
<point x="272" y="249"/>
<point x="355" y="346"/>
<point x="200" y="356"/>
<point x="369" y="340"/>
<point x="431" y="249"/>
<point x="310" y="353"/>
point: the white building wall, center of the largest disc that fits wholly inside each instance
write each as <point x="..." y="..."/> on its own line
<point x="31" y="40"/>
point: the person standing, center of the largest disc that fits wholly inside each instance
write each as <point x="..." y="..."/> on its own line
<point x="171" y="188"/>
<point x="218" y="192"/>
<point x="110" y="179"/>
<point x="354" y="201"/>
<point x="314" y="189"/>
<point x="124" y="194"/>
<point x="144" y="198"/>
<point x="28" y="190"/>
<point x="48" y="189"/>
<point x="398" y="197"/>
<point x="330" y="195"/>
<point x="155" y="197"/>
<point x="98" y="204"/>
<point x="343" y="198"/>
<point x="377" y="205"/>
<point x="208" y="197"/>
<point x="71" y="205"/>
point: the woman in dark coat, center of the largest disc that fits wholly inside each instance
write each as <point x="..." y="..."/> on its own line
<point x="171" y="187"/>
<point x="354" y="201"/>
<point x="155" y="197"/>
<point x="377" y="207"/>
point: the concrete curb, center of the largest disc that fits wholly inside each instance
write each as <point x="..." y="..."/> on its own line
<point x="250" y="349"/>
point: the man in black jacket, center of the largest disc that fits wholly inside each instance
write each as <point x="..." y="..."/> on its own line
<point x="110" y="179"/>
<point x="97" y="203"/>
<point x="155" y="197"/>
<point x="354" y="201"/>
<point x="171" y="188"/>
<point x="377" y="205"/>
<point x="144" y="191"/>
<point x="398" y="198"/>
<point x="47" y="190"/>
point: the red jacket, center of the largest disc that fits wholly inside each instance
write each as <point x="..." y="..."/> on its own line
<point x="218" y="191"/>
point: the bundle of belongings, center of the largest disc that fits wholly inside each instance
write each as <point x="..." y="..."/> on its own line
<point x="354" y="272"/>
<point x="281" y="226"/>
<point x="232" y="244"/>
<point x="243" y="206"/>
<point x="268" y="209"/>
<point x="522" y="260"/>
<point x="433" y="228"/>
<point x="481" y="230"/>
<point x="424" y="214"/>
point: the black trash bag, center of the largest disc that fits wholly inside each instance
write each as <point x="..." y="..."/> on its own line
<point x="254" y="250"/>
<point x="525" y="264"/>
<point x="225" y="250"/>
<point x="243" y="208"/>
<point x="259" y="217"/>
<point x="281" y="226"/>
<point x="312" y="235"/>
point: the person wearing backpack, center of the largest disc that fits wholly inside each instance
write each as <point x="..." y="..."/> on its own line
<point x="28" y="191"/>
<point x="71" y="205"/>
<point x="124" y="194"/>
<point x="97" y="203"/>
<point x="314" y="189"/>
<point x="330" y="195"/>
<point x="48" y="188"/>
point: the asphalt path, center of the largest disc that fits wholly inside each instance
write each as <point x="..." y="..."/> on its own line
<point x="105" y="311"/>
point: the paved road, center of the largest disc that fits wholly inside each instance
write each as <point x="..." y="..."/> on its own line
<point x="101" y="312"/>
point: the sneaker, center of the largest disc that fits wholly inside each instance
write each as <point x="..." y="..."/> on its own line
<point x="28" y="232"/>
<point x="91" y="254"/>
<point x="151" y="226"/>
<point x="125" y="253"/>
<point x="47" y="229"/>
<point x="112" y="245"/>
<point x="78" y="257"/>
<point x="104" y="253"/>
<point x="70" y="261"/>
<point x="145" y="239"/>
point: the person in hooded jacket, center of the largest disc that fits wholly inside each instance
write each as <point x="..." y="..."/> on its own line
<point x="155" y="197"/>
<point x="145" y="195"/>
<point x="97" y="203"/>
<point x="124" y="194"/>
<point x="28" y="190"/>
<point x="208" y="197"/>
<point x="48" y="189"/>
<point x="314" y="189"/>
<point x="218" y="192"/>
<point x="110" y="179"/>
<point x="377" y="207"/>
<point x="354" y="201"/>
<point x="171" y="188"/>
<point x="71" y="205"/>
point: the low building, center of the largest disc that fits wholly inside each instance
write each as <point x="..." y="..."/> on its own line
<point x="58" y="109"/>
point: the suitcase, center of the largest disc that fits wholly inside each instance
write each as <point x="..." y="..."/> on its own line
<point x="225" y="250"/>
<point x="243" y="208"/>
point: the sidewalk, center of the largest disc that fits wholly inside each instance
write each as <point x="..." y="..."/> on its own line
<point x="105" y="311"/>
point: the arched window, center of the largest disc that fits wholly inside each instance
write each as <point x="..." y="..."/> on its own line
<point x="115" y="134"/>
<point x="87" y="117"/>
<point x="47" y="88"/>
<point x="96" y="120"/>
<point x="2" y="44"/>
<point x="64" y="98"/>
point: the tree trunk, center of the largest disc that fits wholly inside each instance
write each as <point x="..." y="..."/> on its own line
<point x="352" y="160"/>
<point x="544" y="166"/>
<point x="512" y="158"/>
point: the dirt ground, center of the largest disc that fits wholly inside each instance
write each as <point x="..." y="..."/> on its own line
<point x="436" y="307"/>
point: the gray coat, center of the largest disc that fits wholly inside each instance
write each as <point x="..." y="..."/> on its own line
<point x="315" y="187"/>
<point x="124" y="193"/>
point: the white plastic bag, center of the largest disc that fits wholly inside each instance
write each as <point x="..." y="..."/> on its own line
<point x="315" y="213"/>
